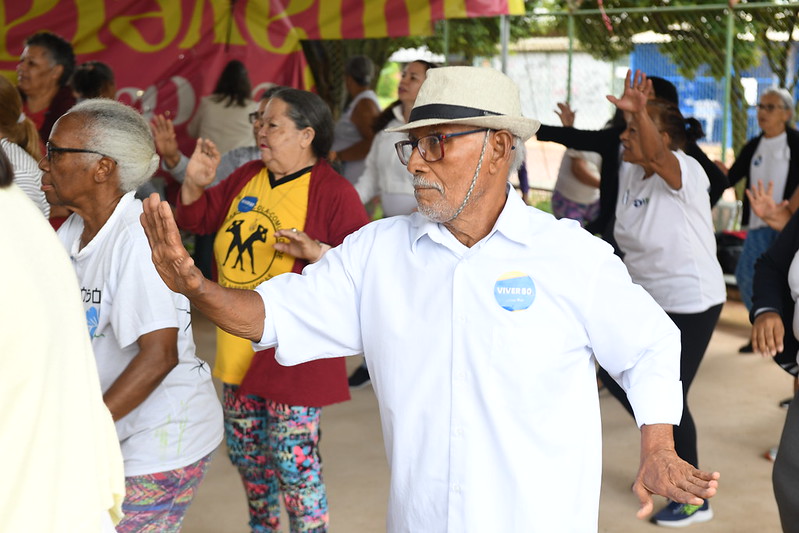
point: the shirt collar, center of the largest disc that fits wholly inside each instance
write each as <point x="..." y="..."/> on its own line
<point x="122" y="205"/>
<point x="513" y="223"/>
<point x="397" y="110"/>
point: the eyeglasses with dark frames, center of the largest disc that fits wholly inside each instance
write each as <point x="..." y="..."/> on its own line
<point x="51" y="149"/>
<point x="254" y="117"/>
<point x="431" y="147"/>
<point x="770" y="107"/>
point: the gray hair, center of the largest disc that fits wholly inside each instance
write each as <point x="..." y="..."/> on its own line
<point x="519" y="155"/>
<point x="121" y="133"/>
<point x="784" y="95"/>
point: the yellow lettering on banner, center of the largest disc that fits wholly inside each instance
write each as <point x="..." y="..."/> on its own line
<point x="330" y="19"/>
<point x="455" y="9"/>
<point x="122" y="27"/>
<point x="221" y="9"/>
<point x="419" y="17"/>
<point x="374" y="19"/>
<point x="91" y="16"/>
<point x="259" y="23"/>
<point x="38" y="8"/>
<point x="516" y="7"/>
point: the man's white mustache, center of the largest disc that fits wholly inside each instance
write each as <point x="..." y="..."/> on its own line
<point x="420" y="182"/>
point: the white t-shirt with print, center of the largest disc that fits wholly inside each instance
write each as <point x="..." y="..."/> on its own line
<point x="124" y="298"/>
<point x="667" y="237"/>
<point x="769" y="164"/>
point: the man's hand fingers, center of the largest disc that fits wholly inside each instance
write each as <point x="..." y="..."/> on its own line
<point x="168" y="225"/>
<point x="149" y="218"/>
<point x="645" y="497"/>
<point x="696" y="485"/>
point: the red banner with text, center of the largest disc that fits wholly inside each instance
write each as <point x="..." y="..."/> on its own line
<point x="167" y="54"/>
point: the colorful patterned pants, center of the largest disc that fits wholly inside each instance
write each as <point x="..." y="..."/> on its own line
<point x="158" y="502"/>
<point x="562" y="207"/>
<point x="275" y="448"/>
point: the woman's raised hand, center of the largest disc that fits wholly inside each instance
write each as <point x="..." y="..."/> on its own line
<point x="761" y="200"/>
<point x="636" y="92"/>
<point x="201" y="169"/>
<point x="166" y="142"/>
<point x="566" y="114"/>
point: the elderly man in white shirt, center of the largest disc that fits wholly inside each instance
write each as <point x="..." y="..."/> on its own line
<point x="481" y="320"/>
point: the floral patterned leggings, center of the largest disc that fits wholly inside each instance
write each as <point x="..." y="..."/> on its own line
<point x="157" y="503"/>
<point x="275" y="448"/>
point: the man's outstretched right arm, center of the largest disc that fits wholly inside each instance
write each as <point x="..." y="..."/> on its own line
<point x="239" y="312"/>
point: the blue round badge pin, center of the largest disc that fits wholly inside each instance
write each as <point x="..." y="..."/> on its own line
<point x="514" y="291"/>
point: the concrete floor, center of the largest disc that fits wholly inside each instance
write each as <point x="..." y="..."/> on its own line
<point x="734" y="400"/>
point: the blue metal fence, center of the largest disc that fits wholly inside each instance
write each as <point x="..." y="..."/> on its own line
<point x="703" y="96"/>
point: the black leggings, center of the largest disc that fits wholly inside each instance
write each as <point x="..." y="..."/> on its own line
<point x="695" y="330"/>
<point x="785" y="474"/>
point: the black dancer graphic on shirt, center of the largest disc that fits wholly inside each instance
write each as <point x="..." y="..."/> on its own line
<point x="244" y="246"/>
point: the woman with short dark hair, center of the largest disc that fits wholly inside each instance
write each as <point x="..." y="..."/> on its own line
<point x="664" y="229"/>
<point x="274" y="215"/>
<point x="43" y="73"/>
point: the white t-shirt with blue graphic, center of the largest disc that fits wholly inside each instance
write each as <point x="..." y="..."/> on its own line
<point x="770" y="163"/>
<point x="667" y="237"/>
<point x="125" y="298"/>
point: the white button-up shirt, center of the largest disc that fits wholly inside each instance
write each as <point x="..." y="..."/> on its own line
<point x="482" y="361"/>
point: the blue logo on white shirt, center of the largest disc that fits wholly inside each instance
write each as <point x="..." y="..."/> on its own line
<point x="514" y="291"/>
<point x="757" y="160"/>
<point x="92" y="320"/>
<point x="247" y="204"/>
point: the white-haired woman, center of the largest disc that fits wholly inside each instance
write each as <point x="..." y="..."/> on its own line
<point x="773" y="159"/>
<point x="167" y="415"/>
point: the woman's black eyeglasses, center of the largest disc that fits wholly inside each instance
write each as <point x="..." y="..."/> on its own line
<point x="50" y="149"/>
<point x="254" y="117"/>
<point x="431" y="147"/>
<point x="770" y="107"/>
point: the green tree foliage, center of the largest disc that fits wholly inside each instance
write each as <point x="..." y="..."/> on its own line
<point x="465" y="40"/>
<point x="698" y="38"/>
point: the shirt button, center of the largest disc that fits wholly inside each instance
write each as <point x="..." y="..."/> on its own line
<point x="460" y="375"/>
<point x="459" y="432"/>
<point x="456" y="488"/>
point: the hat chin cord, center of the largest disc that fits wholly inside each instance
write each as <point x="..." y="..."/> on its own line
<point x="474" y="179"/>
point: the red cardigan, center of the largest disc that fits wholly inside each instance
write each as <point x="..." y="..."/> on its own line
<point x="334" y="211"/>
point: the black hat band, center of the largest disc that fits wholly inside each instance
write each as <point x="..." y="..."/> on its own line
<point x="447" y="112"/>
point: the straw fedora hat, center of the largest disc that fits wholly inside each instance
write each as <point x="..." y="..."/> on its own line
<point x="470" y="95"/>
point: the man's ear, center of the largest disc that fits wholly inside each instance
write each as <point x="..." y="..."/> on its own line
<point x="503" y="151"/>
